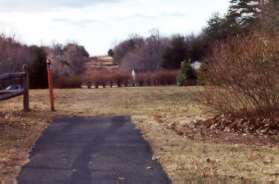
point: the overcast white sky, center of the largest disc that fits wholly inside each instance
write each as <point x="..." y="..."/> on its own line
<point x="100" y="24"/>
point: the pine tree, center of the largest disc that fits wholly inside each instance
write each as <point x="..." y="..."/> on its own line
<point x="187" y="74"/>
<point x="175" y="53"/>
<point x="244" y="12"/>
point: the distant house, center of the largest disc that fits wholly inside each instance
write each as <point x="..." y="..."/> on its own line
<point x="101" y="63"/>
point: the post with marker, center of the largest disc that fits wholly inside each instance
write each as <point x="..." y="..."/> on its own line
<point x="50" y="84"/>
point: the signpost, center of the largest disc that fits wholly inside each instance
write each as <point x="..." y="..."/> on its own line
<point x="50" y="84"/>
<point x="134" y="75"/>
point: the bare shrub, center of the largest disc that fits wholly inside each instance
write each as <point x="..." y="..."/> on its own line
<point x="161" y="77"/>
<point x="167" y="77"/>
<point x="129" y="45"/>
<point x="141" y="54"/>
<point x="270" y="16"/>
<point x="243" y="74"/>
<point x="96" y="78"/>
<point x="121" y="77"/>
<point x="107" y="77"/>
<point x="68" y="82"/>
<point x="124" y="78"/>
<point x="148" y="57"/>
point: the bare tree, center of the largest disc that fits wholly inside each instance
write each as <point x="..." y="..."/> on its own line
<point x="121" y="50"/>
<point x="146" y="55"/>
<point x="68" y="60"/>
<point x="13" y="55"/>
<point x="76" y="56"/>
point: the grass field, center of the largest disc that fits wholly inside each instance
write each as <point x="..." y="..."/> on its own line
<point x="153" y="110"/>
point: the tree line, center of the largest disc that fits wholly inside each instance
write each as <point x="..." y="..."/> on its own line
<point x="67" y="59"/>
<point x="156" y="52"/>
<point x="153" y="53"/>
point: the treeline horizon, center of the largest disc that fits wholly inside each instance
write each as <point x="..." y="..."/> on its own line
<point x="153" y="53"/>
<point x="160" y="52"/>
<point x="67" y="59"/>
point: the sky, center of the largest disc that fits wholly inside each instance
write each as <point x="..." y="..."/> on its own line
<point x="100" y="24"/>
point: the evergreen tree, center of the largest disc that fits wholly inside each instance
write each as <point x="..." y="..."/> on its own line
<point x="220" y="28"/>
<point x="217" y="28"/>
<point x="110" y="53"/>
<point x="186" y="74"/>
<point x="241" y="18"/>
<point x="244" y="12"/>
<point x="175" y="53"/>
<point x="38" y="68"/>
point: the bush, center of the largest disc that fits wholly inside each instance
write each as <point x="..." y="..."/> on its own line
<point x="107" y="77"/>
<point x="181" y="79"/>
<point x="124" y="78"/>
<point x="270" y="17"/>
<point x="167" y="77"/>
<point x="161" y="77"/>
<point x="187" y="75"/>
<point x="68" y="82"/>
<point x="243" y="74"/>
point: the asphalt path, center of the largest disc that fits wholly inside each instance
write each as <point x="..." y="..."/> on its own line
<point x="92" y="150"/>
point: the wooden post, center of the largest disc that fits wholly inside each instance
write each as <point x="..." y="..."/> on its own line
<point x="26" y="89"/>
<point x="50" y="85"/>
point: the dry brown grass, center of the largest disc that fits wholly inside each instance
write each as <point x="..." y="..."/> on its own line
<point x="18" y="132"/>
<point x="153" y="110"/>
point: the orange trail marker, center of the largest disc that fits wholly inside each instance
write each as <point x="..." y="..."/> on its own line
<point x="50" y="85"/>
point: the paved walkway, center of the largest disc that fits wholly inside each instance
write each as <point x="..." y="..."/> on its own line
<point x="92" y="151"/>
